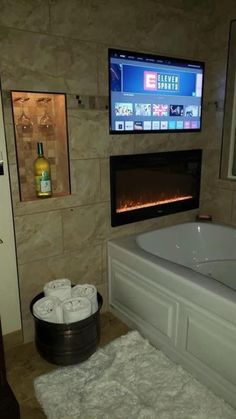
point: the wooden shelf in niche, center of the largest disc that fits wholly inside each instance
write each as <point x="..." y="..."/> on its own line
<point x="41" y="117"/>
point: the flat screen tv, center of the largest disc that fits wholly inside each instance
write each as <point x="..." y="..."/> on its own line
<point x="150" y="93"/>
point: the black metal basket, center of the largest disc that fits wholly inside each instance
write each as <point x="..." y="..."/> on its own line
<point x="67" y="344"/>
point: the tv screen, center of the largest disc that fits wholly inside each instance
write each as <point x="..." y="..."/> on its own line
<point x="150" y="93"/>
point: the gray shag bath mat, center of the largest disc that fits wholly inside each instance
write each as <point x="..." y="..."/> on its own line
<point x="127" y="379"/>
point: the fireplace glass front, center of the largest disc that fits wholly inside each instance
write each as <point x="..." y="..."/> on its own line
<point x="151" y="185"/>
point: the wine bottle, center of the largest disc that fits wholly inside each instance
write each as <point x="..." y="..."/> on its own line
<point x="42" y="174"/>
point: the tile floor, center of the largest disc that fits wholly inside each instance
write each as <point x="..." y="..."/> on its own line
<point x="23" y="364"/>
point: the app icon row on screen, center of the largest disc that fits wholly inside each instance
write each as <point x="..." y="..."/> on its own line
<point x="158" y="110"/>
<point x="155" y="125"/>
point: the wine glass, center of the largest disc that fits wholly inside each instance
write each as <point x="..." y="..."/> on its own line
<point x="24" y="124"/>
<point x="46" y="123"/>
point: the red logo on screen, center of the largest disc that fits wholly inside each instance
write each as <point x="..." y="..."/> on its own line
<point x="150" y="80"/>
<point x="160" y="110"/>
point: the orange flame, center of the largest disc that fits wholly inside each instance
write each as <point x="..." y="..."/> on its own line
<point x="131" y="205"/>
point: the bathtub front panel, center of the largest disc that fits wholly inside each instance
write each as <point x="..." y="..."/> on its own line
<point x="151" y="305"/>
<point x="210" y="341"/>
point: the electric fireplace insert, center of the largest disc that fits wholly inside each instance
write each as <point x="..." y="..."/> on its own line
<point x="151" y="185"/>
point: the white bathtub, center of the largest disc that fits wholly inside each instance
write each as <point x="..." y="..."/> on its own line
<point x="176" y="285"/>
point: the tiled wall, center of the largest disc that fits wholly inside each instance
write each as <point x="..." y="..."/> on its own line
<point x="61" y="46"/>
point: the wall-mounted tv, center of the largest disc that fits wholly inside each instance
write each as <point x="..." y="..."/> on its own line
<point x="151" y="93"/>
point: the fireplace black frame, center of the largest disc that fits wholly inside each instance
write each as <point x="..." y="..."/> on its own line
<point x="191" y="157"/>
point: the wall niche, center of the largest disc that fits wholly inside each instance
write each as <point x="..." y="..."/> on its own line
<point x="41" y="117"/>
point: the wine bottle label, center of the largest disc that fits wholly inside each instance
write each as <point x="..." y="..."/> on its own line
<point x="45" y="186"/>
<point x="42" y="185"/>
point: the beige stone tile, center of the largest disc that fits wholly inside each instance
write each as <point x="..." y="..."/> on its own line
<point x="226" y="184"/>
<point x="160" y="30"/>
<point x="117" y="23"/>
<point x="53" y="64"/>
<point x="89" y="136"/>
<point x="152" y="143"/>
<point x="213" y="123"/>
<point x="104" y="262"/>
<point x="216" y="31"/>
<point x="10" y="140"/>
<point x="28" y="329"/>
<point x="81" y="68"/>
<point x="38" y="236"/>
<point x="6" y="103"/>
<point x="123" y="230"/>
<point x="31" y="71"/>
<point x="34" y="275"/>
<point x="215" y="75"/>
<point x="186" y="141"/>
<point x="105" y="179"/>
<point x="210" y="166"/>
<point x="30" y="15"/>
<point x="15" y="189"/>
<point x="207" y="190"/>
<point x="84" y="225"/>
<point x="40" y="205"/>
<point x="85" y="265"/>
<point x="219" y="205"/>
<point x="12" y="339"/>
<point x="181" y="217"/>
<point x="229" y="8"/>
<point x="165" y="221"/>
<point x="121" y="144"/>
<point x="103" y="75"/>
<point x="85" y="180"/>
<point x="157" y="143"/>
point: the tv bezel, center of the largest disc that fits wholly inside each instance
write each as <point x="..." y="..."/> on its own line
<point x="157" y="57"/>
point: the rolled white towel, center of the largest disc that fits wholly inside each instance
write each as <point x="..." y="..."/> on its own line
<point x="48" y="309"/>
<point x="89" y="291"/>
<point x="60" y="288"/>
<point x="75" y="309"/>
